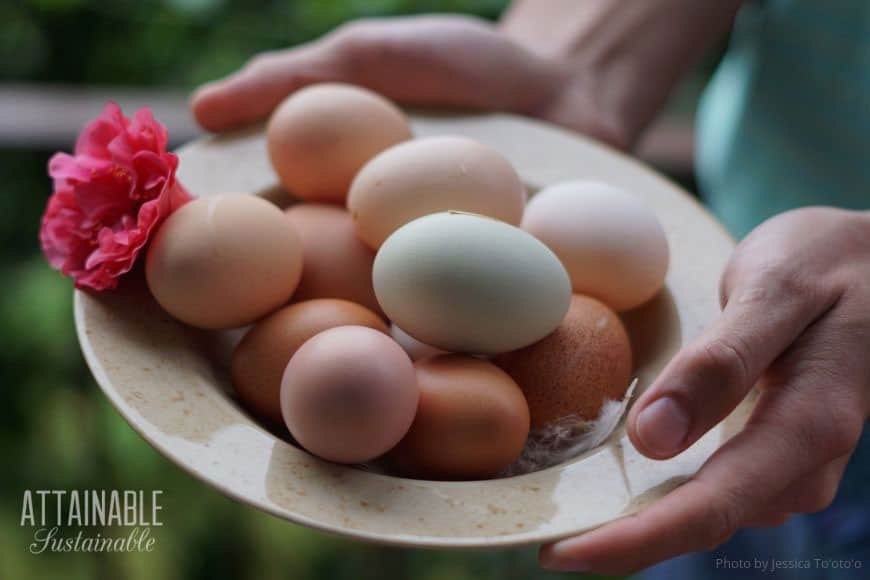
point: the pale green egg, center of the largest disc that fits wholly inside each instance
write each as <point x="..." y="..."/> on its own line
<point x="467" y="283"/>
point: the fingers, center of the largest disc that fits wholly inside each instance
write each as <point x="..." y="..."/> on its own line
<point x="809" y="494"/>
<point x="772" y="519"/>
<point x="738" y="481"/>
<point x="250" y="95"/>
<point x="706" y="380"/>
<point x="430" y="60"/>
<point x="812" y="493"/>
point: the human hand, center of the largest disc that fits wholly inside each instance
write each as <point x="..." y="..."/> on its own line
<point x="795" y="320"/>
<point x="452" y="61"/>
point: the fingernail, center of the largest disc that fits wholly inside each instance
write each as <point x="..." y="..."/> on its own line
<point x="662" y="426"/>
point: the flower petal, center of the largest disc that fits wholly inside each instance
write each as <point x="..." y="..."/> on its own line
<point x="95" y="137"/>
<point x="109" y="197"/>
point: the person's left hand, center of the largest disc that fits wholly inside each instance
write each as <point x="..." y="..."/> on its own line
<point x="430" y="61"/>
<point x="796" y="321"/>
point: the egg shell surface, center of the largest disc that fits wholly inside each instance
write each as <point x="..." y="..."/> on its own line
<point x="349" y="394"/>
<point x="609" y="240"/>
<point x="466" y="283"/>
<point x="571" y="372"/>
<point x="431" y="175"/>
<point x="224" y="261"/>
<point x="320" y="136"/>
<point x="415" y="349"/>
<point x="259" y="360"/>
<point x="336" y="264"/>
<point x="472" y="421"/>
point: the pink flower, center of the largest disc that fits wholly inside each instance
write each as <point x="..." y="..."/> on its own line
<point x="109" y="197"/>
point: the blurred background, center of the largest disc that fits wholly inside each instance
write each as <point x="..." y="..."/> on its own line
<point x="60" y="60"/>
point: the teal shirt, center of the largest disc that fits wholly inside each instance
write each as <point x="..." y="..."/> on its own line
<point x="785" y="121"/>
<point x="783" y="124"/>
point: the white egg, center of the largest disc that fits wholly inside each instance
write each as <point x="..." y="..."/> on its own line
<point x="609" y="240"/>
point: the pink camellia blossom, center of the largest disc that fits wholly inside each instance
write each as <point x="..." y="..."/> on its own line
<point x="109" y="197"/>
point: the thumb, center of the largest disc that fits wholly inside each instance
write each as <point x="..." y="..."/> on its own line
<point x="707" y="379"/>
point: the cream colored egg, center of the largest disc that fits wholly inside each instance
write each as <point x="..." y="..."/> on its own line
<point x="320" y="136"/>
<point x="610" y="241"/>
<point x="466" y="283"/>
<point x="431" y="175"/>
<point x="224" y="261"/>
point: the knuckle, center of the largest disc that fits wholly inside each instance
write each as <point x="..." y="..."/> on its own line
<point x="354" y="35"/>
<point x="361" y="44"/>
<point x="726" y="358"/>
<point x="786" y="280"/>
<point x="849" y="426"/>
<point x="774" y="277"/>
<point x="722" y="522"/>
<point x="831" y="431"/>
<point x="817" y="500"/>
<point x="261" y="62"/>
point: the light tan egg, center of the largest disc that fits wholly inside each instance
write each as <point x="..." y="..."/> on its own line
<point x="224" y="261"/>
<point x="321" y="135"/>
<point x="259" y="360"/>
<point x="336" y="263"/>
<point x="431" y="175"/>
<point x="571" y="372"/>
<point x="611" y="243"/>
<point x="349" y="394"/>
<point x="472" y="421"/>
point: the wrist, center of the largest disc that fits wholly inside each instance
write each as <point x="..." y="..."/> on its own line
<point x="626" y="55"/>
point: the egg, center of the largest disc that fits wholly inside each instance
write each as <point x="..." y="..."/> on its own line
<point x="431" y="175"/>
<point x="571" y="372"/>
<point x="349" y="394"/>
<point x="321" y="135"/>
<point x="259" y="360"/>
<point x="466" y="283"/>
<point x="224" y="261"/>
<point x="336" y="264"/>
<point x="611" y="243"/>
<point x="472" y="421"/>
<point x="415" y="349"/>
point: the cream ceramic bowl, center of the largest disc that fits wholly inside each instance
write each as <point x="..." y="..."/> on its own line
<point x="170" y="382"/>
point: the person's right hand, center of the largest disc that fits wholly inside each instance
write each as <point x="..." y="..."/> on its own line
<point x="443" y="61"/>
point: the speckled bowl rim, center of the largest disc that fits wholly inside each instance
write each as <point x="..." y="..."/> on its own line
<point x="576" y="495"/>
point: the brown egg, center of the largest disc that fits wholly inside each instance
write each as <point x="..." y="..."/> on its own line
<point x="585" y="361"/>
<point x="224" y="261"/>
<point x="320" y="136"/>
<point x="349" y="394"/>
<point x="336" y="263"/>
<point x="261" y="357"/>
<point x="472" y="421"/>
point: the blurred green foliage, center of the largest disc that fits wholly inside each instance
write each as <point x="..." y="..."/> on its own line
<point x="174" y="42"/>
<point x="57" y="431"/>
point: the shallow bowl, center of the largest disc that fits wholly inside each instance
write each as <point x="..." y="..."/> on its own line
<point x="171" y="384"/>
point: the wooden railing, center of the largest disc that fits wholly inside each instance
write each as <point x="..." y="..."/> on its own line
<point x="50" y="116"/>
